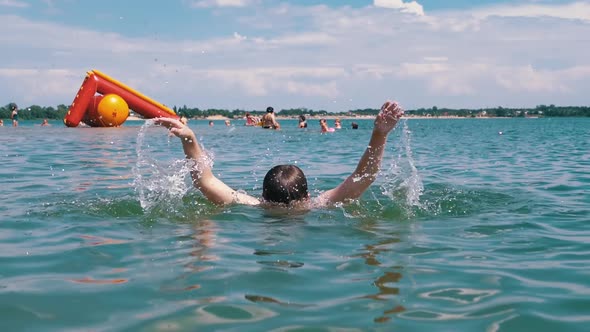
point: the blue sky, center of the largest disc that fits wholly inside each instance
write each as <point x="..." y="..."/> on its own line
<point x="333" y="55"/>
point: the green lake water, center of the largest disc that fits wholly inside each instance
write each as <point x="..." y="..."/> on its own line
<point x="473" y="225"/>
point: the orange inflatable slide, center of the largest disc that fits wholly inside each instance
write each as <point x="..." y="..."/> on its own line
<point x="103" y="101"/>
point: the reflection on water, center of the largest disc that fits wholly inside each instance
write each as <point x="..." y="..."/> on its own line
<point x="260" y="298"/>
<point x="202" y="240"/>
<point x="388" y="277"/>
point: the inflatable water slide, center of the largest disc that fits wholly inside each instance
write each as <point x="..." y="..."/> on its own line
<point x="103" y="101"/>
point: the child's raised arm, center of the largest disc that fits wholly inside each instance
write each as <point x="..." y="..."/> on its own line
<point x="203" y="179"/>
<point x="369" y="164"/>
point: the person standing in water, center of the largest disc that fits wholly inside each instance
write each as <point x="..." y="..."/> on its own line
<point x="287" y="184"/>
<point x="250" y="120"/>
<point x="269" y="121"/>
<point x="14" y="114"/>
<point x="302" y="122"/>
<point x="324" y="127"/>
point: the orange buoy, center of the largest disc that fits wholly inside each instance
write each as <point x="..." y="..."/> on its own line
<point x="106" y="111"/>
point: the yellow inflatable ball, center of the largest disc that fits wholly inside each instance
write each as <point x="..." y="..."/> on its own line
<point x="107" y="111"/>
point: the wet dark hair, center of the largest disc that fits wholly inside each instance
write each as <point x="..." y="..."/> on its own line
<point x="284" y="184"/>
<point x="355" y="125"/>
<point x="302" y="117"/>
<point x="270" y="109"/>
<point x="13" y="106"/>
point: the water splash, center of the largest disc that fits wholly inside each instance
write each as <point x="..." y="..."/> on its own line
<point x="402" y="180"/>
<point x="156" y="183"/>
<point x="413" y="182"/>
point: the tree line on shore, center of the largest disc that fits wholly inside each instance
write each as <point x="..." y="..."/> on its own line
<point x="40" y="112"/>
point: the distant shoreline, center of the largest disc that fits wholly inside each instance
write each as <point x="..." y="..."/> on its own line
<point x="332" y="117"/>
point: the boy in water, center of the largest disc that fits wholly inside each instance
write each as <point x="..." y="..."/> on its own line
<point x="287" y="184"/>
<point x="302" y="122"/>
<point x="14" y="114"/>
<point x="269" y="121"/>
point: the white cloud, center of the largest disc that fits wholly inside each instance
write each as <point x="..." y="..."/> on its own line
<point x="411" y="7"/>
<point x="39" y="84"/>
<point x="328" y="89"/>
<point x="239" y="37"/>
<point x="527" y="79"/>
<point x="438" y="78"/>
<point x="575" y="11"/>
<point x="422" y="69"/>
<point x="302" y="39"/>
<point x="14" y="3"/>
<point x="436" y="58"/>
<point x="468" y="79"/>
<point x="221" y="3"/>
<point x="19" y="32"/>
<point x="293" y="80"/>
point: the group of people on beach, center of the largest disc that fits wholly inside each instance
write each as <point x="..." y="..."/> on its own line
<point x="286" y="185"/>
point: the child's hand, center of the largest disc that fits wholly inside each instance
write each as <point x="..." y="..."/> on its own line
<point x="388" y="117"/>
<point x="176" y="127"/>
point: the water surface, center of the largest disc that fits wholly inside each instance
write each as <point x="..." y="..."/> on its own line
<point x="466" y="229"/>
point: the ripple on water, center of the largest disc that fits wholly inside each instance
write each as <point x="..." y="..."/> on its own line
<point x="467" y="234"/>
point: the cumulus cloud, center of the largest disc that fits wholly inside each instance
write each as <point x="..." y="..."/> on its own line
<point x="411" y="7"/>
<point x="14" y="3"/>
<point x="221" y="3"/>
<point x="39" y="84"/>
<point x="470" y="79"/>
<point x="293" y="80"/>
<point x="436" y="58"/>
<point x="239" y="37"/>
<point x="527" y="79"/>
<point x="303" y="39"/>
<point x="575" y="11"/>
<point x="437" y="78"/>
